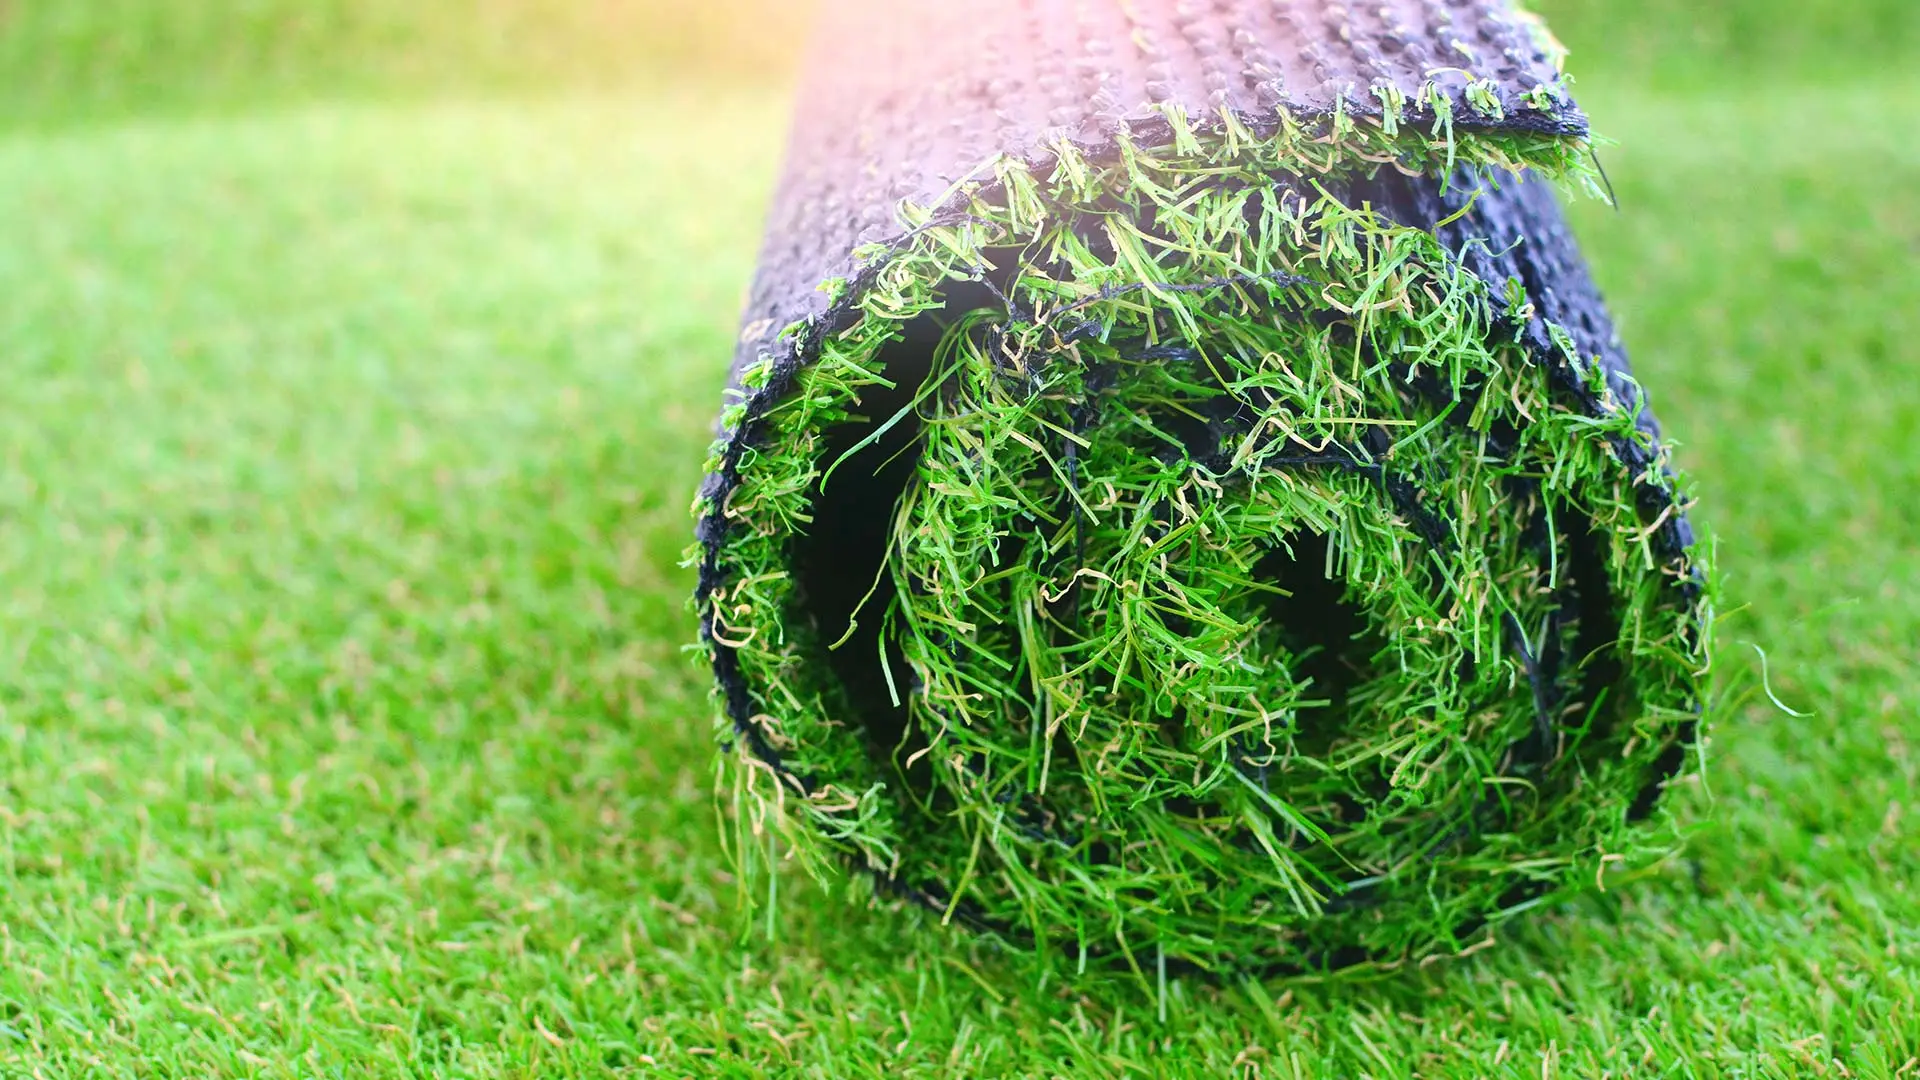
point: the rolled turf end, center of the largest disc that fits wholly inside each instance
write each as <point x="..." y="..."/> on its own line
<point x="1244" y="549"/>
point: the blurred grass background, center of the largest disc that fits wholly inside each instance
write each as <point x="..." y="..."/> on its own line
<point x="87" y="57"/>
<point x="358" y="359"/>
<point x="65" y="58"/>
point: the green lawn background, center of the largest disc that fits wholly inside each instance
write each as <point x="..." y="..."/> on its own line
<point x="358" y="360"/>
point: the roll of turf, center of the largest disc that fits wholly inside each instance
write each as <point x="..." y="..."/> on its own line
<point x="1180" y="497"/>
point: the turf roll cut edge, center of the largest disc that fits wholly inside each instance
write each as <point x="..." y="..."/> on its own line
<point x="1180" y="497"/>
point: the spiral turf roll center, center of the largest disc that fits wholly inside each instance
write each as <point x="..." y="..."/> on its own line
<point x="1234" y="575"/>
<point x="1144" y="595"/>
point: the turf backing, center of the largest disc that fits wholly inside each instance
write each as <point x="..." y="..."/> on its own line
<point x="341" y="715"/>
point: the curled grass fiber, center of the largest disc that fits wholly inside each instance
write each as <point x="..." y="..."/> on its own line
<point x="1179" y="559"/>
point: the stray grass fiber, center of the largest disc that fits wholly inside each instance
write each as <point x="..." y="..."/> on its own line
<point x="1181" y="562"/>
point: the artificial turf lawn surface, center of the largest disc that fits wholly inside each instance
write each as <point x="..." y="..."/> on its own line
<point x="344" y="477"/>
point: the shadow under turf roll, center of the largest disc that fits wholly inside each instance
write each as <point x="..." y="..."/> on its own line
<point x="1180" y="496"/>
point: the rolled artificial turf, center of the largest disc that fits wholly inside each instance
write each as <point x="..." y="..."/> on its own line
<point x="1180" y="496"/>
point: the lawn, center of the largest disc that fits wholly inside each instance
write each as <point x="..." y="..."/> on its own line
<point x="344" y="719"/>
